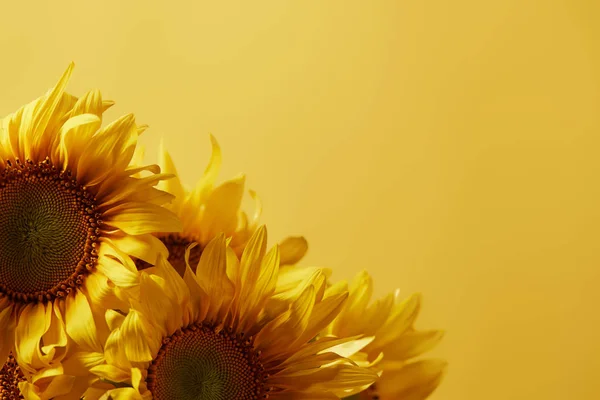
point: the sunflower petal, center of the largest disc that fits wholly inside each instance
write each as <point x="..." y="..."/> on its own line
<point x="221" y="208"/>
<point x="138" y="218"/>
<point x="413" y="343"/>
<point x="75" y="137"/>
<point x="35" y="132"/>
<point x="167" y="166"/>
<point x="29" y="331"/>
<point x="402" y="318"/>
<point x="414" y="381"/>
<point x="135" y="333"/>
<point x="145" y="247"/>
<point x="80" y="324"/>
<point x="293" y="249"/>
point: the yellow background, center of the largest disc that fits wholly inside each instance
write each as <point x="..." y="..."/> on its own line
<point x="449" y="147"/>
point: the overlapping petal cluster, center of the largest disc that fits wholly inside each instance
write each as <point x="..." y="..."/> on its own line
<point x="119" y="282"/>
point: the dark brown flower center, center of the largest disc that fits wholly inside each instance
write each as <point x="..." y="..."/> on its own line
<point x="200" y="363"/>
<point x="177" y="244"/>
<point x="10" y="376"/>
<point x="48" y="232"/>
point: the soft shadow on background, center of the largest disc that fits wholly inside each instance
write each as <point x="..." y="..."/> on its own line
<point x="449" y="147"/>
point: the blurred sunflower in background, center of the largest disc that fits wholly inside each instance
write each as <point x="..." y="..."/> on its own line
<point x="209" y="209"/>
<point x="395" y="345"/>
<point x="391" y="344"/>
<point x="67" y="199"/>
<point x="118" y="282"/>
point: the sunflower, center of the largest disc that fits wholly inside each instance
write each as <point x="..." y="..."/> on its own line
<point x="68" y="200"/>
<point x="206" y="336"/>
<point x="209" y="209"/>
<point x="395" y="344"/>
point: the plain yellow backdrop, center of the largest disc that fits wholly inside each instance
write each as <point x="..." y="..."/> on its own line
<point x="449" y="147"/>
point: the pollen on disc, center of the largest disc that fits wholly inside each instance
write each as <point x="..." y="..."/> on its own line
<point x="48" y="231"/>
<point x="10" y="376"/>
<point x="201" y="364"/>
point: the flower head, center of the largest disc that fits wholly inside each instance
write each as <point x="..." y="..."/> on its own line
<point x="68" y="200"/>
<point x="209" y="209"/>
<point x="207" y="335"/>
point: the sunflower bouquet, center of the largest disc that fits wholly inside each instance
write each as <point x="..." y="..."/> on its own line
<point x="118" y="282"/>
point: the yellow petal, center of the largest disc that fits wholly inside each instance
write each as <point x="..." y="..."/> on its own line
<point x="167" y="166"/>
<point x="122" y="189"/>
<point x="257" y="211"/>
<point x="318" y="346"/>
<point x="376" y="314"/>
<point x="251" y="260"/>
<point x="42" y="376"/>
<point x="402" y="318"/>
<point x="56" y="336"/>
<point x="110" y="149"/>
<point x="114" y="352"/>
<point x="414" y="381"/>
<point x="35" y="132"/>
<point x="137" y="218"/>
<point x="101" y="292"/>
<point x="155" y="302"/>
<point x="93" y="393"/>
<point x="78" y="364"/>
<point x="79" y="388"/>
<point x="106" y="104"/>
<point x="360" y="295"/>
<point x="125" y="394"/>
<point x="75" y="137"/>
<point x="173" y="281"/>
<point x="134" y="170"/>
<point x="222" y="207"/>
<point x="145" y="247"/>
<point x="293" y="328"/>
<point x="293" y="280"/>
<point x="153" y="196"/>
<point x="89" y="103"/>
<point x="79" y="322"/>
<point x="412" y="344"/>
<point x="341" y="379"/>
<point x="114" y="319"/>
<point x="322" y="314"/>
<point x="198" y="196"/>
<point x="263" y="288"/>
<point x="199" y="301"/>
<point x="136" y="378"/>
<point x="29" y="331"/>
<point x="270" y="332"/>
<point x="135" y="334"/>
<point x="29" y="391"/>
<point x="59" y="385"/>
<point x="293" y="249"/>
<point x="336" y="288"/>
<point x="348" y="349"/>
<point x="111" y="373"/>
<point x="233" y="267"/>
<point x="141" y="129"/>
<point x="119" y="274"/>
<point x="211" y="276"/>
